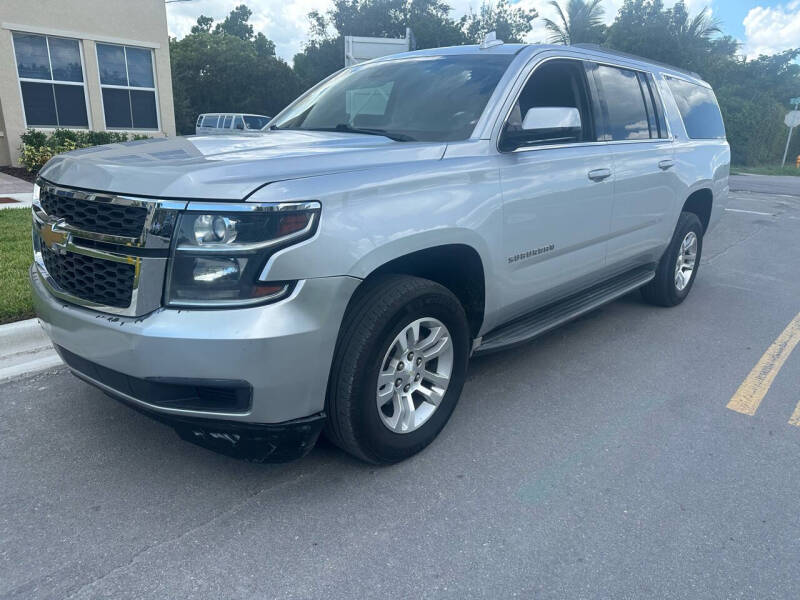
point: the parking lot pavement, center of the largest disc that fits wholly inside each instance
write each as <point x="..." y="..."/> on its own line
<point x="766" y="184"/>
<point x="600" y="461"/>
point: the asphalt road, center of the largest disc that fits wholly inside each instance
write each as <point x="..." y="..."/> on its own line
<point x="598" y="462"/>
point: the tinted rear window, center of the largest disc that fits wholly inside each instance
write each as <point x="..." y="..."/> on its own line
<point x="624" y="102"/>
<point x="698" y="108"/>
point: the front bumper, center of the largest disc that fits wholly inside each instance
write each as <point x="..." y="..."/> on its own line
<point x="282" y="350"/>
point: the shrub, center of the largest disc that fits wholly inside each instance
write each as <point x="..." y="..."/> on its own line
<point x="33" y="137"/>
<point x="37" y="147"/>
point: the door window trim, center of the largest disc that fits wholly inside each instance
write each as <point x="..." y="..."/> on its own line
<point x="593" y="100"/>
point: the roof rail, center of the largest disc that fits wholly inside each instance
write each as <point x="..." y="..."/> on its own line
<point x="604" y="50"/>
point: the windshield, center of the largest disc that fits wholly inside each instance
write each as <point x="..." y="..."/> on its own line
<point x="255" y="121"/>
<point x="424" y="98"/>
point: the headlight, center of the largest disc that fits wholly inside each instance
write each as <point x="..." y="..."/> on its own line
<point x="36" y="192"/>
<point x="219" y="253"/>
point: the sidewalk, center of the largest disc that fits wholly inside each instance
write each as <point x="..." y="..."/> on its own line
<point x="14" y="192"/>
<point x="25" y="350"/>
<point x="24" y="347"/>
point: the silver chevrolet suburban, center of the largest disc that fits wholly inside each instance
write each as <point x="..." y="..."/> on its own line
<point x="337" y="272"/>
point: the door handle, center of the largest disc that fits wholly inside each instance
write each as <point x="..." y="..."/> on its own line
<point x="666" y="164"/>
<point x="599" y="174"/>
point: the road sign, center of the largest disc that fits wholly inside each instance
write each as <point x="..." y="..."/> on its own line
<point x="792" y="119"/>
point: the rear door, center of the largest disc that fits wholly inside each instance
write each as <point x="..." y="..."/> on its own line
<point x="557" y="194"/>
<point x="645" y="182"/>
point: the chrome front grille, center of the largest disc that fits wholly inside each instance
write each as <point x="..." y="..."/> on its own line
<point x="103" y="251"/>
<point x="93" y="216"/>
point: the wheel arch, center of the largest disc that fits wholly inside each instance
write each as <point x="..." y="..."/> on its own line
<point x="457" y="266"/>
<point x="701" y="203"/>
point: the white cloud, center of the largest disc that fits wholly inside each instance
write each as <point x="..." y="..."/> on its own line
<point x="769" y="30"/>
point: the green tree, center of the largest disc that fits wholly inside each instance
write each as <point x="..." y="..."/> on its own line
<point x="751" y="93"/>
<point x="429" y="20"/>
<point x="228" y="69"/>
<point x="511" y="23"/>
<point x="203" y="25"/>
<point x="236" y="23"/>
<point x="581" y="22"/>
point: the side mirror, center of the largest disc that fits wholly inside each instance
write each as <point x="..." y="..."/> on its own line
<point x="544" y="125"/>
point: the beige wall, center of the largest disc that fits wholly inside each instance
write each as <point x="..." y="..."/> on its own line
<point x="132" y="22"/>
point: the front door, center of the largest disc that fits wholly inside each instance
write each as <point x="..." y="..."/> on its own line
<point x="557" y="195"/>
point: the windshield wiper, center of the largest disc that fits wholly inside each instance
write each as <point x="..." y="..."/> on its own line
<point x="397" y="137"/>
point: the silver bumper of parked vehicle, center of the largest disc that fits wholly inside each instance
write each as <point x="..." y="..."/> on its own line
<point x="282" y="350"/>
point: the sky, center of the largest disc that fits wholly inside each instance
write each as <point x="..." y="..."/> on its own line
<point x="762" y="26"/>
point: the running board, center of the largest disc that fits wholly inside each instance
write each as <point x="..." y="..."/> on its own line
<point x="553" y="315"/>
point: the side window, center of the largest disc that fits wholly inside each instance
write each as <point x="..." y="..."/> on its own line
<point x="623" y="102"/>
<point x="238" y="123"/>
<point x="199" y="121"/>
<point x="556" y="83"/>
<point x="699" y="109"/>
<point x="209" y="121"/>
<point x="227" y="123"/>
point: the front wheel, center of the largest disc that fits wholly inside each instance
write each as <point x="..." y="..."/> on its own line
<point x="399" y="368"/>
<point x="678" y="267"/>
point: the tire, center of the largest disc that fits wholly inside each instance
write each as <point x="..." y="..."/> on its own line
<point x="667" y="288"/>
<point x="384" y="308"/>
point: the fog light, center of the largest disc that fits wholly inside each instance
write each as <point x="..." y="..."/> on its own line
<point x="215" y="270"/>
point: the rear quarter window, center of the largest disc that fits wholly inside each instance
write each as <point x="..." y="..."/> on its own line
<point x="699" y="109"/>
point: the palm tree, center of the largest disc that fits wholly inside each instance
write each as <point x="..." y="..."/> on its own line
<point x="581" y="22"/>
<point x="691" y="30"/>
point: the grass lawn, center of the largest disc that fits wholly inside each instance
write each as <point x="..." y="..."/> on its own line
<point x="771" y="170"/>
<point x="15" y="258"/>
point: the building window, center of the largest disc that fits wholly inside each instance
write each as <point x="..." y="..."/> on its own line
<point x="50" y="73"/>
<point x="128" y="87"/>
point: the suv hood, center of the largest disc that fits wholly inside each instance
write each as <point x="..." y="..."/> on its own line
<point x="230" y="167"/>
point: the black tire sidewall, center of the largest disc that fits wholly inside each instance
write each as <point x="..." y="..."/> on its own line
<point x="379" y="442"/>
<point x="687" y="222"/>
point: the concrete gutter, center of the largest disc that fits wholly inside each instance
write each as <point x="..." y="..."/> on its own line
<point x="19" y="201"/>
<point x="25" y="350"/>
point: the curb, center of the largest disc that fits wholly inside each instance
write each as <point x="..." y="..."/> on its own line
<point x="25" y="349"/>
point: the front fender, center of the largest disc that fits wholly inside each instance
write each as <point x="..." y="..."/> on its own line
<point x="371" y="217"/>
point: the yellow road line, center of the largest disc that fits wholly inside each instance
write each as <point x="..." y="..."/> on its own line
<point x="756" y="384"/>
<point x="795" y="418"/>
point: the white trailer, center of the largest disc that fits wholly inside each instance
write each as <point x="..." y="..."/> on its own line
<point x="358" y="49"/>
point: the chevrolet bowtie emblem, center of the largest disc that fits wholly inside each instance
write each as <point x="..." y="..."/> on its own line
<point x="55" y="238"/>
